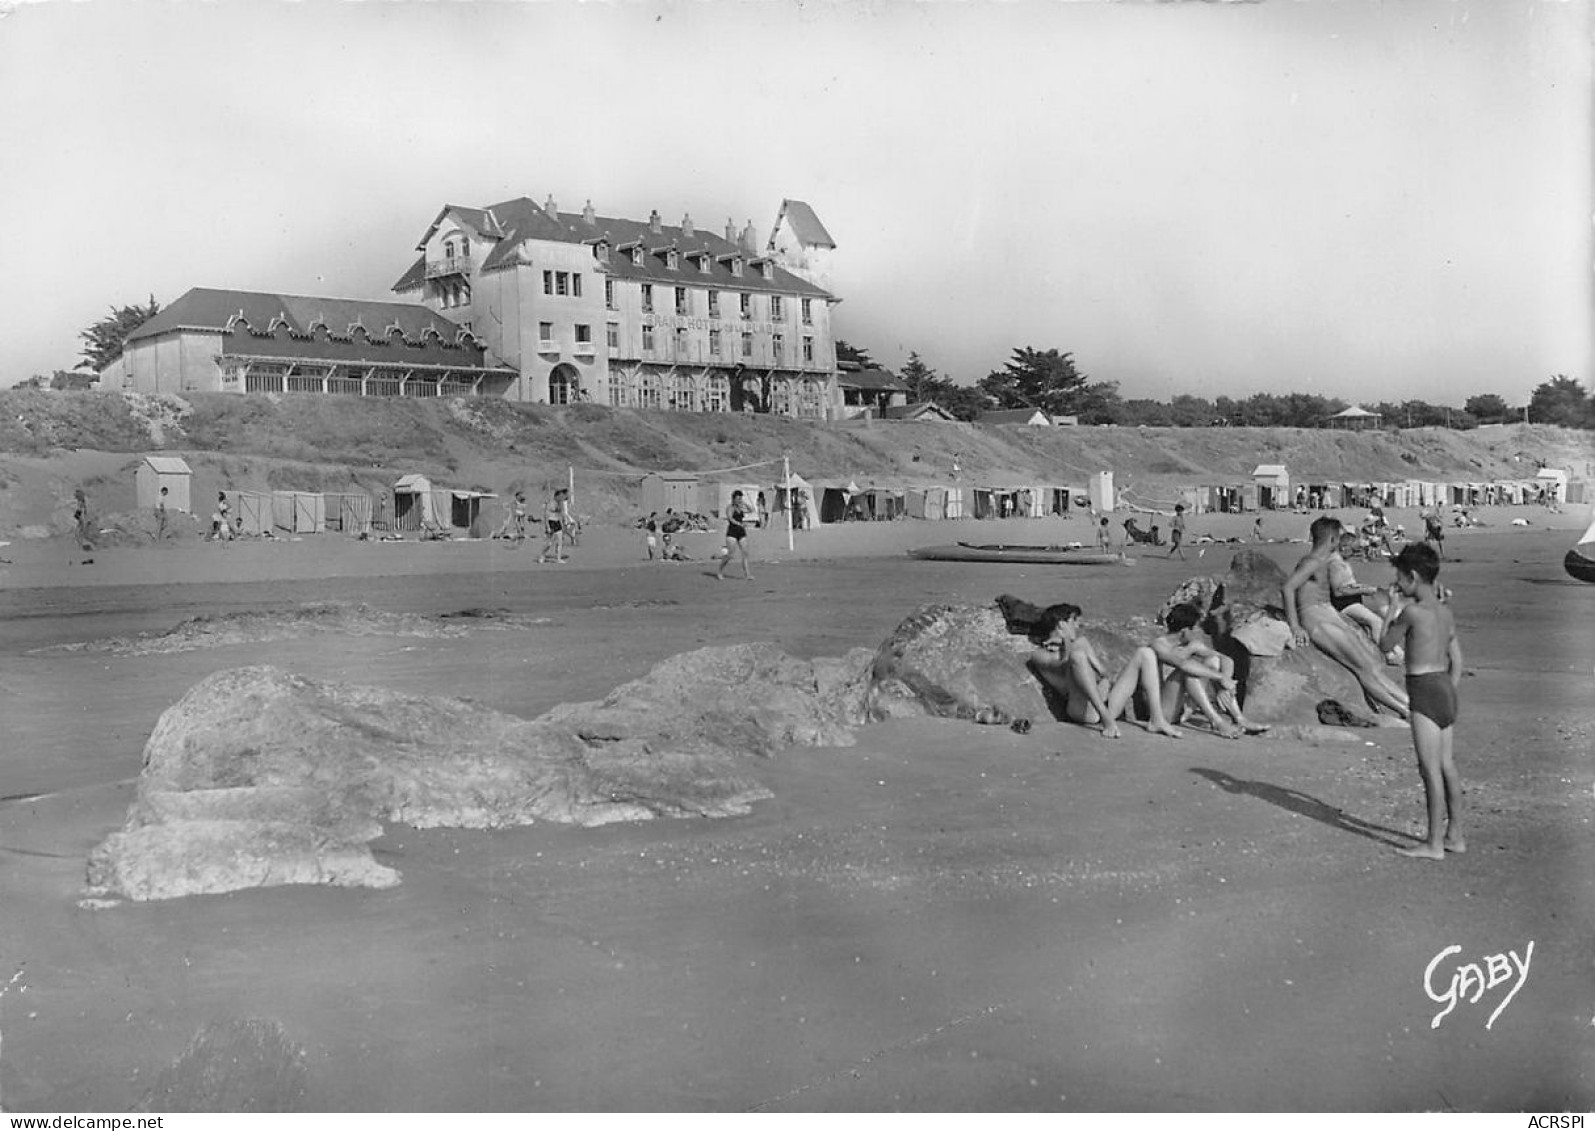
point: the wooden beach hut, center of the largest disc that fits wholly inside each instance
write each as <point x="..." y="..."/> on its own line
<point x="670" y="490"/>
<point x="155" y="472"/>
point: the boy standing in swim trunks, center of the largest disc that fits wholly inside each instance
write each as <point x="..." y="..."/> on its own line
<point x="1424" y="626"/>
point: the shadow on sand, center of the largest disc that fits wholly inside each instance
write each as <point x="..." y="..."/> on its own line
<point x="1305" y="805"/>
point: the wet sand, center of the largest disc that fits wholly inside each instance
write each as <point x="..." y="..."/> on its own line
<point x="942" y="917"/>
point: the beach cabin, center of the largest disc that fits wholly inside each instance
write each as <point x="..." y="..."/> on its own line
<point x="413" y="503"/>
<point x="1272" y="482"/>
<point x="155" y="472"/>
<point x="1099" y="492"/>
<point x="348" y="512"/>
<point x="1554" y="482"/>
<point x="298" y="512"/>
<point x="926" y="502"/>
<point x="669" y="490"/>
<point x="956" y="505"/>
<point x="464" y="511"/>
<point x="250" y="511"/>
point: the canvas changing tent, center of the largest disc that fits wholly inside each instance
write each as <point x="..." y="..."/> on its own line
<point x="797" y="495"/>
<point x="1272" y="482"/>
<point x="413" y="503"/>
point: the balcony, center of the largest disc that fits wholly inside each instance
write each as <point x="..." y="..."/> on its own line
<point x="437" y="268"/>
<point x="585" y="349"/>
<point x="547" y="345"/>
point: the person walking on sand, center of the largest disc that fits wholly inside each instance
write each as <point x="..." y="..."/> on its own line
<point x="650" y="531"/>
<point x="1068" y="664"/>
<point x="160" y="517"/>
<point x="1312" y="618"/>
<point x="556" y="520"/>
<point x="1177" y="532"/>
<point x="737" y="516"/>
<point x="80" y="519"/>
<point x="1418" y="620"/>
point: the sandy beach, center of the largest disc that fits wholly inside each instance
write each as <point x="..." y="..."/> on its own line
<point x="944" y="917"/>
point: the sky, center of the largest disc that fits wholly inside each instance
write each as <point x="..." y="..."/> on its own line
<point x="1370" y="201"/>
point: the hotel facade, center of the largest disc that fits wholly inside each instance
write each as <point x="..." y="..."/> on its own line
<point x="638" y="313"/>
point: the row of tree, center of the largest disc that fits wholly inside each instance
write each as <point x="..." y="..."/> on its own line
<point x="1050" y="381"/>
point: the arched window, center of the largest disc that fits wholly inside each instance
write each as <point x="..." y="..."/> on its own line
<point x="648" y="393"/>
<point x="563" y="385"/>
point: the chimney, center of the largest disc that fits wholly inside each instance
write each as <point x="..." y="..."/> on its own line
<point x="731" y="230"/>
<point x="686" y="225"/>
<point x="588" y="215"/>
<point x="550" y="208"/>
<point x="750" y="239"/>
<point x="654" y="225"/>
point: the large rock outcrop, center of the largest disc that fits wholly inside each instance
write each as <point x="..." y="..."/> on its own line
<point x="259" y="777"/>
<point x="955" y="661"/>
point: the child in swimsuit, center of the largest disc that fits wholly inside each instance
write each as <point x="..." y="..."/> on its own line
<point x="737" y="516"/>
<point x="1419" y="620"/>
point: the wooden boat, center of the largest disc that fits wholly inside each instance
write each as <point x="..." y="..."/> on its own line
<point x="1017" y="555"/>
<point x="1580" y="560"/>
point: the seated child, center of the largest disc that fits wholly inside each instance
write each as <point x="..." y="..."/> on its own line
<point x="1191" y="664"/>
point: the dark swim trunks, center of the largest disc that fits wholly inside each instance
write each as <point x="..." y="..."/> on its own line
<point x="1434" y="696"/>
<point x="736" y="530"/>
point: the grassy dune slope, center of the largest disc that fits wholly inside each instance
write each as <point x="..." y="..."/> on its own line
<point x="52" y="442"/>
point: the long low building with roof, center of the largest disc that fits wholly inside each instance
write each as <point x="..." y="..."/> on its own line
<point x="638" y="313"/>
<point x="213" y="340"/>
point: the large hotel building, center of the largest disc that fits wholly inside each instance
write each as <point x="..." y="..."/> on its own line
<point x="522" y="301"/>
<point x="638" y="312"/>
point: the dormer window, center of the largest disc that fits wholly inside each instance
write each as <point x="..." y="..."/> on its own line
<point x="736" y="267"/>
<point x="601" y="251"/>
<point x="636" y="257"/>
<point x="673" y="259"/>
<point x="767" y="269"/>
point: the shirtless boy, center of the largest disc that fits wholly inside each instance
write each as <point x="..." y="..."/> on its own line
<point x="1191" y="664"/>
<point x="1313" y="618"/>
<point x="1069" y="665"/>
<point x="1418" y="620"/>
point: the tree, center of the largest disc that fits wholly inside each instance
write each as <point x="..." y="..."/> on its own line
<point x="1036" y="379"/>
<point x="1489" y="409"/>
<point x="102" y="342"/>
<point x="845" y="351"/>
<point x="1561" y="400"/>
<point x="923" y="382"/>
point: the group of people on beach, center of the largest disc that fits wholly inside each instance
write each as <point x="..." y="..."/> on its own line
<point x="560" y="527"/>
<point x="1358" y="626"/>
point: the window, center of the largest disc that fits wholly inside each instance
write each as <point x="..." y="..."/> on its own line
<point x="736" y="267"/>
<point x="767" y="269"/>
<point x="681" y="341"/>
<point x="714" y="304"/>
<point x="647" y="298"/>
<point x="808" y="348"/>
<point x="808" y="312"/>
<point x="777" y="309"/>
<point x="682" y="306"/>
<point x="562" y="282"/>
<point x="548" y="282"/>
<point x="785" y="404"/>
<point x="617" y="389"/>
<point x="648" y="338"/>
<point x="636" y="257"/>
<point x="717" y="397"/>
<point x="684" y="395"/>
<point x="545" y="331"/>
<point x="714" y="343"/>
<point x="673" y="259"/>
<point x="745" y="302"/>
<point x="609" y="294"/>
<point x="584" y="334"/>
<point x="703" y="264"/>
<point x="601" y="251"/>
<point x="747" y="345"/>
<point x="777" y="345"/>
<point x="576" y="285"/>
<point x="614" y="336"/>
<point x="561" y="390"/>
<point x="648" y="391"/>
